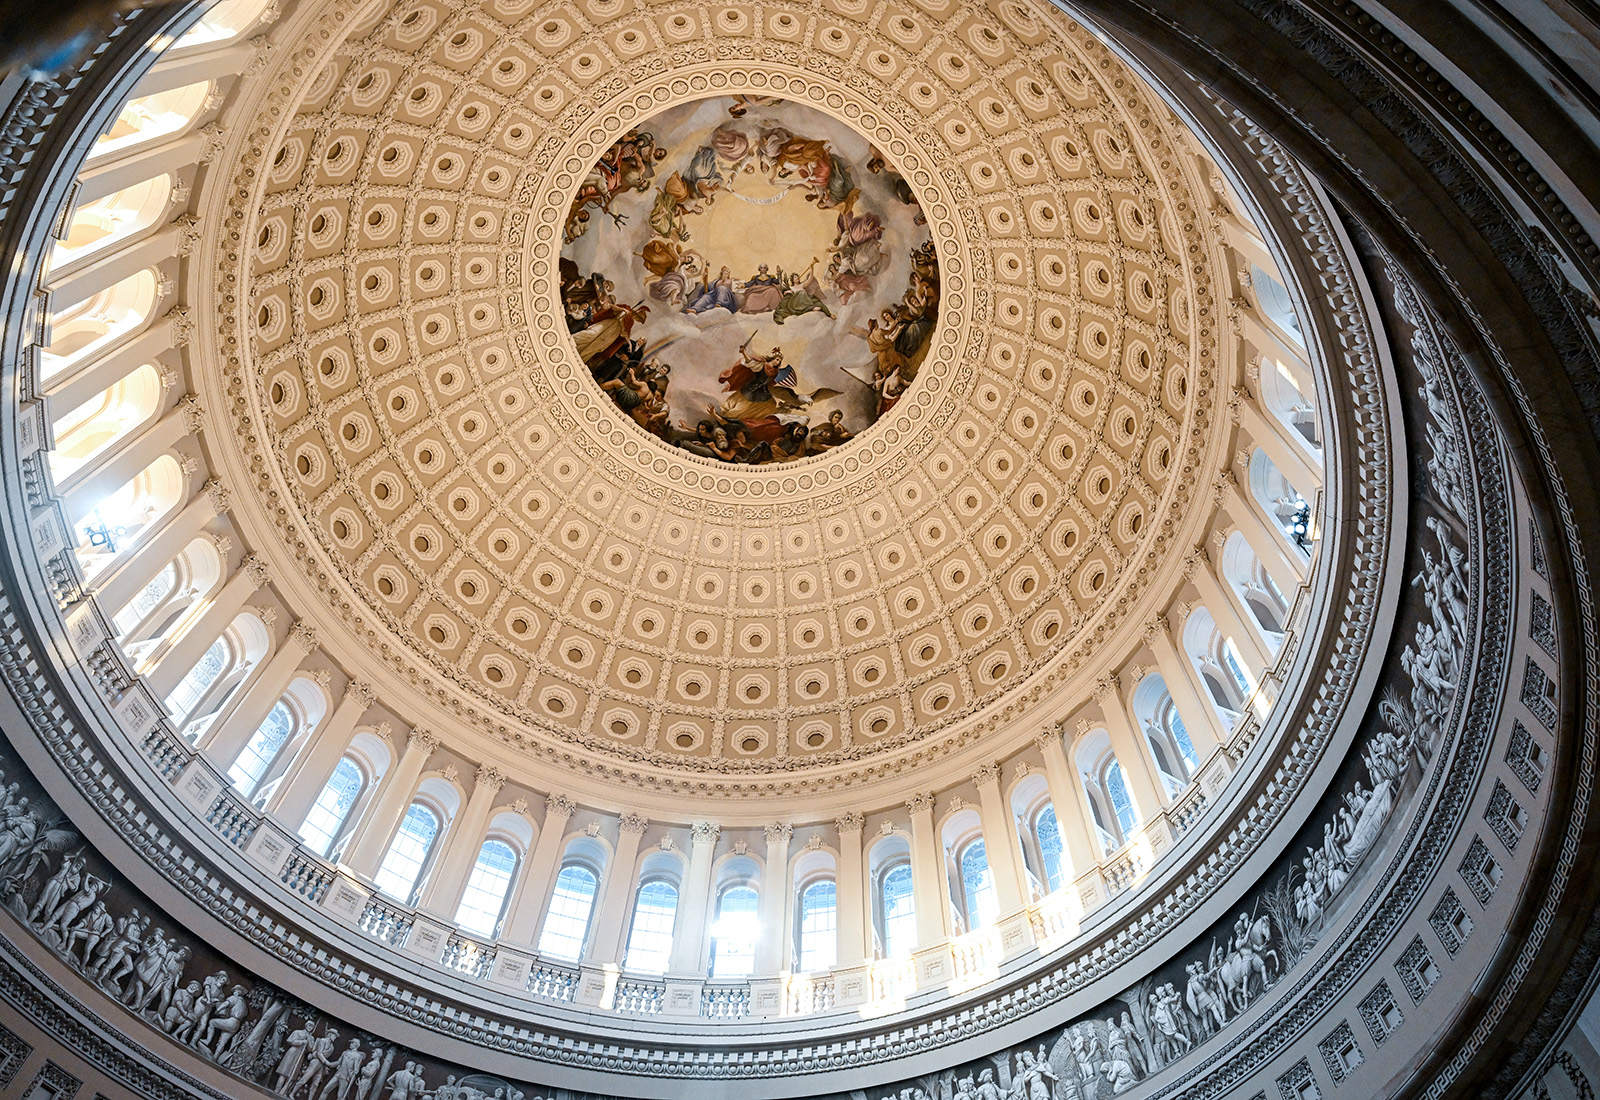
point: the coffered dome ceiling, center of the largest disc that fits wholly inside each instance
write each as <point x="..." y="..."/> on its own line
<point x="426" y="374"/>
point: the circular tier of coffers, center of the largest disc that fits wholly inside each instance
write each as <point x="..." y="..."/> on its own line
<point x="436" y="457"/>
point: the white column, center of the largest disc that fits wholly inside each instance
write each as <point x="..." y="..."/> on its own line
<point x="927" y="880"/>
<point x="1271" y="435"/>
<point x="853" y="893"/>
<point x="166" y="667"/>
<point x="140" y="563"/>
<point x="616" y="899"/>
<point x="1249" y="642"/>
<point x="1133" y="753"/>
<point x="108" y="175"/>
<point x="380" y="822"/>
<point x="81" y="282"/>
<point x="1000" y="844"/>
<point x="689" y="932"/>
<point x="533" y="892"/>
<point x="110" y="471"/>
<point x="104" y="371"/>
<point x="231" y="729"/>
<point x="1178" y="673"/>
<point x="1277" y="554"/>
<point x="311" y="768"/>
<point x="1080" y="843"/>
<point x="1267" y="340"/>
<point x="774" y="898"/>
<point x="461" y="846"/>
<point x="213" y="64"/>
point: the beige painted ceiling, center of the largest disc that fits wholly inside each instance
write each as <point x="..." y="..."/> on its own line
<point x="475" y="526"/>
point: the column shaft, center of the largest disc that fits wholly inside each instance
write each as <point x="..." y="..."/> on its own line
<point x="1178" y="673"/>
<point x="775" y="895"/>
<point x="1246" y="636"/>
<point x="1000" y="843"/>
<point x="381" y="820"/>
<point x="616" y="899"/>
<point x="689" y="937"/>
<point x="166" y="667"/>
<point x="110" y="471"/>
<point x="140" y="563"/>
<point x="232" y="727"/>
<point x="853" y="893"/>
<point x="533" y="892"/>
<point x="1079" y="841"/>
<point x="462" y="843"/>
<point x="311" y="768"/>
<point x="1277" y="556"/>
<point x="927" y="880"/>
<point x="1133" y="753"/>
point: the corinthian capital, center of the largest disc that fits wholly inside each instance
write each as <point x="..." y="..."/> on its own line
<point x="850" y="821"/>
<point x="490" y="777"/>
<point x="705" y="832"/>
<point x="1105" y="687"/>
<point x="304" y="635"/>
<point x="1049" y="738"/>
<point x="194" y="413"/>
<point x="920" y="803"/>
<point x="634" y="824"/>
<point x="985" y="774"/>
<point x="221" y="499"/>
<point x="257" y="569"/>
<point x="361" y="692"/>
<point x="423" y="741"/>
<point x="559" y="805"/>
<point x="779" y="833"/>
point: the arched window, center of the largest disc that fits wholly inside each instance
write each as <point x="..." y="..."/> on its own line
<point x="1230" y="658"/>
<point x="484" y="899"/>
<point x="1047" y="831"/>
<point x="897" y="911"/>
<point x="977" y="885"/>
<point x="1180" y="735"/>
<point x="408" y="852"/>
<point x="655" y="911"/>
<point x="1121" y="804"/>
<point x="326" y="816"/>
<point x="252" y="761"/>
<point x="733" y="951"/>
<point x="148" y="599"/>
<point x="566" y="928"/>
<point x="819" y="925"/>
<point x="192" y="688"/>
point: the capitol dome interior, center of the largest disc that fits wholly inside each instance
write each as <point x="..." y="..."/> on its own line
<point x="854" y="549"/>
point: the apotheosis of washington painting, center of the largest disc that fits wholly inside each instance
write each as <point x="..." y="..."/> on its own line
<point x="749" y="279"/>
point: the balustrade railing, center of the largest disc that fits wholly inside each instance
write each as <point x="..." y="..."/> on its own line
<point x="976" y="956"/>
<point x="725" y="1002"/>
<point x="809" y="993"/>
<point x="468" y="956"/>
<point x="639" y="997"/>
<point x="552" y="982"/>
<point x="385" y="921"/>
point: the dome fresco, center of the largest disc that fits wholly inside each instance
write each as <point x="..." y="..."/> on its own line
<point x="749" y="280"/>
<point x="856" y="550"/>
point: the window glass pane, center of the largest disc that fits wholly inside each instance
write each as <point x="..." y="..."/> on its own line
<point x="1048" y="832"/>
<point x="1240" y="680"/>
<point x="187" y="694"/>
<point x="819" y="924"/>
<point x="1121" y="804"/>
<point x="407" y="853"/>
<point x="327" y="814"/>
<point x="650" y="941"/>
<point x="1181" y="736"/>
<point x="264" y="744"/>
<point x="146" y="601"/>
<point x="567" y="925"/>
<point x="485" y="895"/>
<point x="978" y="883"/>
<point x="734" y="947"/>
<point x="899" y="913"/>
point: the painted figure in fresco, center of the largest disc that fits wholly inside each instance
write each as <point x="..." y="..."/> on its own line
<point x="763" y="291"/>
<point x="715" y="295"/>
<point x="345" y="1072"/>
<point x="294" y="1055"/>
<point x="319" y="1060"/>
<point x="802" y="295"/>
<point x="405" y="1083"/>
